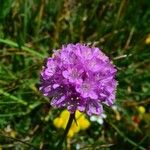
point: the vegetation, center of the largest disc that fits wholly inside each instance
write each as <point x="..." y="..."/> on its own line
<point x="31" y="29"/>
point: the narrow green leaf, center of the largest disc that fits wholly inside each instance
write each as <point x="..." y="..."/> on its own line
<point x="13" y="97"/>
<point x="14" y="44"/>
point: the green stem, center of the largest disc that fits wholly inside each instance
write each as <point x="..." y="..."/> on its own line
<point x="60" y="144"/>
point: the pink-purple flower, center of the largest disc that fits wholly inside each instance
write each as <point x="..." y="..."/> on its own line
<point x="79" y="77"/>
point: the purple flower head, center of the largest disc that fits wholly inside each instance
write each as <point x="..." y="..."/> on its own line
<point x="79" y="77"/>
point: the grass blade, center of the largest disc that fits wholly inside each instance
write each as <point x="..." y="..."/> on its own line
<point x="14" y="44"/>
<point x="13" y="97"/>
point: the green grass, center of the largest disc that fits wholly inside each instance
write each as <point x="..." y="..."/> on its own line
<point x="31" y="29"/>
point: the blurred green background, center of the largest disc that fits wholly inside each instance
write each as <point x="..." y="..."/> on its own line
<point x="31" y="29"/>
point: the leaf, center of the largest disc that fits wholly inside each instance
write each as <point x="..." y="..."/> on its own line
<point x="5" y="7"/>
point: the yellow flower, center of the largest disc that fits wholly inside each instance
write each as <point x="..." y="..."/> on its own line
<point x="58" y="122"/>
<point x="64" y="116"/>
<point x="141" y="109"/>
<point x="81" y="122"/>
<point x="70" y="133"/>
<point x="84" y="124"/>
<point x="147" y="40"/>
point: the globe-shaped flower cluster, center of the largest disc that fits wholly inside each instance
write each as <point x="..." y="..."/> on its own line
<point x="79" y="77"/>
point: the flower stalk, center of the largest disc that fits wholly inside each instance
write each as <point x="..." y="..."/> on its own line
<point x="71" y="118"/>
